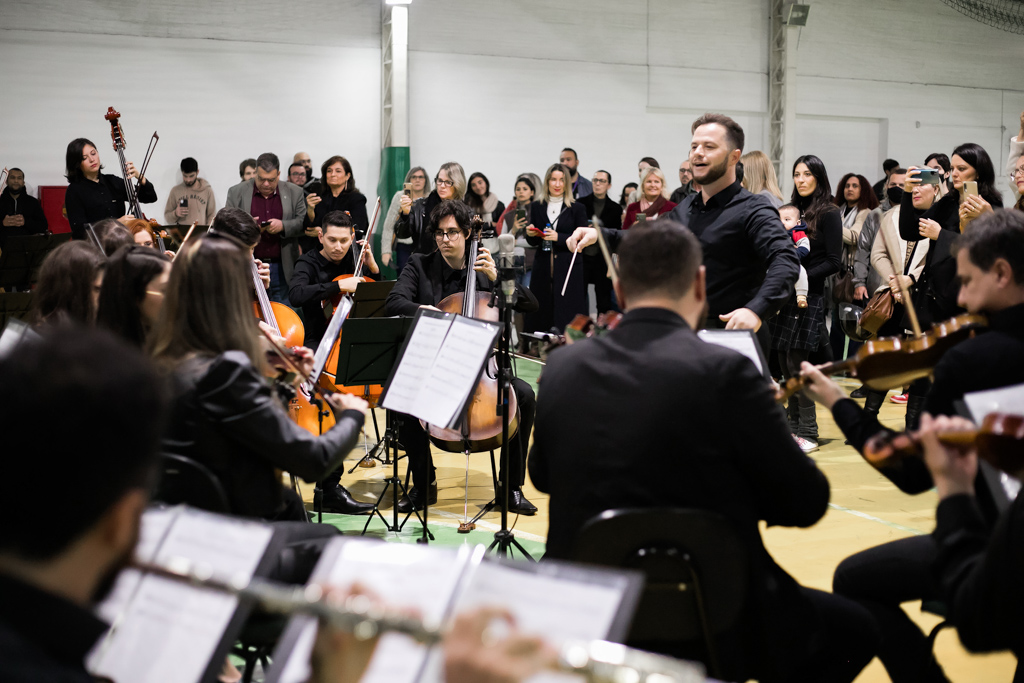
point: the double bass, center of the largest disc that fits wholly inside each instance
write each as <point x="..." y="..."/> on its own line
<point x="117" y="136"/>
<point x="485" y="423"/>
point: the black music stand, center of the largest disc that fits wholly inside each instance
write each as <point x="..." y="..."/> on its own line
<point x="15" y="306"/>
<point x="23" y="254"/>
<point x="370" y="298"/>
<point x="367" y="354"/>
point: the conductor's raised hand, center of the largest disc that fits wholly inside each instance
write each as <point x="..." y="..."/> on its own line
<point x="485" y="264"/>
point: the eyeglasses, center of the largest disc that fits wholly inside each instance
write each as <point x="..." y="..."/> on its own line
<point x="1016" y="172"/>
<point x="444" y="183"/>
<point x="599" y="180"/>
<point x="418" y="177"/>
<point x="450" y="235"/>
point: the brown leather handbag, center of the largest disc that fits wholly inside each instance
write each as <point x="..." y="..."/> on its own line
<point x="877" y="311"/>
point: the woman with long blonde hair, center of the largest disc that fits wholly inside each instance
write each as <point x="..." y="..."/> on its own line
<point x="759" y="176"/>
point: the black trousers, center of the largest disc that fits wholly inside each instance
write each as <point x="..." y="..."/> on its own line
<point x="417" y="444"/>
<point x="595" y="272"/>
<point x="881" y="578"/>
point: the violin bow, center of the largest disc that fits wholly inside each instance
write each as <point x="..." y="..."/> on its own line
<point x="904" y="290"/>
<point x="149" y="155"/>
<point x="366" y="240"/>
<point x="3" y="176"/>
<point x="187" y="235"/>
<point x="568" y="274"/>
<point x="613" y="272"/>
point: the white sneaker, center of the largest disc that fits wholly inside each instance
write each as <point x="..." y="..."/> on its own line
<point x="806" y="445"/>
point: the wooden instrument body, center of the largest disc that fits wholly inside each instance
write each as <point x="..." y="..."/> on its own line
<point x="485" y="424"/>
<point x="284" y="320"/>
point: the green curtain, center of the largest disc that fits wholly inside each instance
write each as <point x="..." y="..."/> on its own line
<point x="394" y="165"/>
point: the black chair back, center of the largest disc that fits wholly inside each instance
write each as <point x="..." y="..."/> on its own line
<point x="183" y="480"/>
<point x="696" y="570"/>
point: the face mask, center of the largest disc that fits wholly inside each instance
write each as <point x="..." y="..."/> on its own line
<point x="895" y="195"/>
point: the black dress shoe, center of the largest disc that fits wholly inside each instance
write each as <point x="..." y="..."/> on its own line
<point x="518" y="504"/>
<point x="415" y="497"/>
<point x="859" y="392"/>
<point x="338" y="499"/>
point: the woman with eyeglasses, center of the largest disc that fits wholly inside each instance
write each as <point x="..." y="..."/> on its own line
<point x="553" y="219"/>
<point x="414" y="216"/>
<point x="419" y="187"/>
<point x="1014" y="166"/>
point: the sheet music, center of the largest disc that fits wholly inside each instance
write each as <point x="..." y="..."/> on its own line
<point x="1004" y="400"/>
<point x="740" y="341"/>
<point x="170" y="630"/>
<point x="413" y="576"/>
<point x="455" y="371"/>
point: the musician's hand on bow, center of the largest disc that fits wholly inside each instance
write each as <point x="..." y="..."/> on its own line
<point x="485" y="264"/>
<point x="304" y="359"/>
<point x="368" y="260"/>
<point x="132" y="171"/>
<point x="475" y="653"/>
<point x="929" y="228"/>
<point x="348" y="284"/>
<point x="953" y="467"/>
<point x="342" y="401"/>
<point x="339" y="656"/>
<point x="819" y="387"/>
<point x="264" y="271"/>
<point x="278" y="339"/>
<point x="741" y="319"/>
<point x="581" y="238"/>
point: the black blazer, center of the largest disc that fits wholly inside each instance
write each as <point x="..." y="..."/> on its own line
<point x="551" y="269"/>
<point x="651" y="386"/>
<point x="227" y="417"/>
<point x="353" y="202"/>
<point x="611" y="214"/>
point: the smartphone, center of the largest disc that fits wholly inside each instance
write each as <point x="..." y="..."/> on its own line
<point x="928" y="176"/>
<point x="265" y="224"/>
<point x="520" y="215"/>
<point x="641" y="217"/>
<point x="970" y="188"/>
<point x="407" y="189"/>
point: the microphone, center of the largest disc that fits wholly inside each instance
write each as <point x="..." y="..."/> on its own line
<point x="506" y="265"/>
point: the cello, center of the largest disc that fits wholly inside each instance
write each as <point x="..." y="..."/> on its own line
<point x="484" y="431"/>
<point x="283" y="320"/>
<point x="117" y="136"/>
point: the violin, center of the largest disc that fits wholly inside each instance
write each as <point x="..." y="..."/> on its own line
<point x="485" y="423"/>
<point x="299" y="388"/>
<point x="999" y="440"/>
<point x="892" y="362"/>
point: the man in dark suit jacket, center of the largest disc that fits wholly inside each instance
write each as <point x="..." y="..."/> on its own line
<point x="609" y="211"/>
<point x="652" y="386"/>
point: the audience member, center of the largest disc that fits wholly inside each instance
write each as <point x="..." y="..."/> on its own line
<point x="280" y="209"/>
<point x="414" y="216"/>
<point x="419" y="187"/>
<point x="510" y="222"/>
<point x="297" y="174"/>
<point x="627" y="191"/>
<point x="653" y="200"/>
<point x="313" y="183"/>
<point x="68" y="288"/>
<point x="20" y="212"/>
<point x="339" y="194"/>
<point x="940" y="162"/>
<point x="247" y="169"/>
<point x="686" y="187"/>
<point x="133" y="293"/>
<point x="759" y="177"/>
<point x="887" y="166"/>
<point x="600" y="206"/>
<point x="645" y="163"/>
<point x="482" y="202"/>
<point x="193" y="201"/>
<point x="894" y="189"/>
<point x="581" y="187"/>
<point x="91" y="194"/>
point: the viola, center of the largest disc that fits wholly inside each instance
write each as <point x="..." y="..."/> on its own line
<point x="300" y="389"/>
<point x="485" y="424"/>
<point x="999" y="440"/>
<point x="893" y="362"/>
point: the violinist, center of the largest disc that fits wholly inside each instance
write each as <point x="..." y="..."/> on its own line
<point x="990" y="266"/>
<point x="224" y="414"/>
<point x="425" y="281"/>
<point x="92" y="194"/>
<point x="315" y="281"/>
<point x="652" y="386"/>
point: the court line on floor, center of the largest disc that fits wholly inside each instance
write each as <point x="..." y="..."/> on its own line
<point x="864" y="515"/>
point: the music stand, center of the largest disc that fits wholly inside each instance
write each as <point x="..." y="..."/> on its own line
<point x="15" y="306"/>
<point x="367" y="354"/>
<point x="370" y="298"/>
<point x="23" y="254"/>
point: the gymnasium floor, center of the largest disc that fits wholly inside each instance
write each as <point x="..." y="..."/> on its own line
<point x="865" y="510"/>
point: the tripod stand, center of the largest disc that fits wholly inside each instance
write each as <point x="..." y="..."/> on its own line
<point x="390" y="444"/>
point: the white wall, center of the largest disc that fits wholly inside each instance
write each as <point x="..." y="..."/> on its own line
<point x="498" y="85"/>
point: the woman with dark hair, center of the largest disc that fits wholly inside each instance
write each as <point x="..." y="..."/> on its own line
<point x="225" y="414"/>
<point x="116" y="237"/>
<point x="855" y="200"/>
<point x="340" y="194"/>
<point x="91" y="194"/>
<point x="552" y="220"/>
<point x="627" y="192"/>
<point x="414" y="216"/>
<point x="69" y="284"/>
<point x="939" y="162"/>
<point x="133" y="292"/>
<point x="480" y="200"/>
<point x="796" y="332"/>
<point x="525" y="191"/>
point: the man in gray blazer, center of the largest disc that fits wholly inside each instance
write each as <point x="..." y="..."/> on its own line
<point x="280" y="209"/>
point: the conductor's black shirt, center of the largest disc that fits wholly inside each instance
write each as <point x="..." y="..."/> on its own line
<point x="43" y="637"/>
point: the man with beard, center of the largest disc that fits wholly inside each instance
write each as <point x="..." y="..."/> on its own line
<point x="750" y="261"/>
<point x="20" y="212"/>
<point x="581" y="187"/>
<point x="193" y="200"/>
<point x="58" y="560"/>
